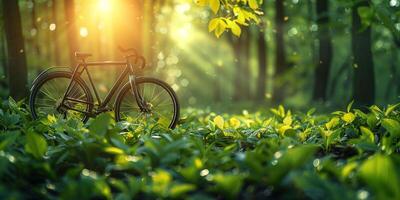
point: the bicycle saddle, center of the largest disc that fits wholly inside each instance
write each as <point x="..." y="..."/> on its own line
<point x="81" y="55"/>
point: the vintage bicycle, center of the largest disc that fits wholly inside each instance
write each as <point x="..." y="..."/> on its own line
<point x="141" y="99"/>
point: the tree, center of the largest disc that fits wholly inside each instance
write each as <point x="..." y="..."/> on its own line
<point x="72" y="33"/>
<point x="363" y="64"/>
<point x="280" y="47"/>
<point x="262" y="63"/>
<point x="241" y="48"/>
<point x="54" y="35"/>
<point x="325" y="51"/>
<point x="17" y="71"/>
<point x="280" y="62"/>
<point x="262" y="66"/>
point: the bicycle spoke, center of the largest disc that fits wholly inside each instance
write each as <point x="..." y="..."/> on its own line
<point x="52" y="91"/>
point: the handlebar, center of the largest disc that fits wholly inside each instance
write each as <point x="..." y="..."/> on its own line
<point x="134" y="54"/>
<point x="142" y="61"/>
<point x="123" y="50"/>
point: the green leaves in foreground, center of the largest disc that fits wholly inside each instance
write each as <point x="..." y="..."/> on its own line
<point x="35" y="144"/>
<point x="392" y="126"/>
<point x="381" y="174"/>
<point x="292" y="159"/>
<point x="277" y="154"/>
<point x="99" y="125"/>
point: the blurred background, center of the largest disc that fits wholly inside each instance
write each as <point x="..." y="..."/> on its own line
<point x="303" y="53"/>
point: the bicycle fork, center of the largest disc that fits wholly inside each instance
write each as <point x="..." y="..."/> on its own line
<point x="138" y="97"/>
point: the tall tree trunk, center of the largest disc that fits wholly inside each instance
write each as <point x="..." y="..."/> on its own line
<point x="280" y="47"/>
<point x="280" y="66"/>
<point x="321" y="74"/>
<point x="35" y="39"/>
<point x="3" y="55"/>
<point x="262" y="66"/>
<point x="72" y="32"/>
<point x="363" y="80"/>
<point x="242" y="75"/>
<point x="54" y="35"/>
<point x="262" y="62"/>
<point x="17" y="71"/>
<point x="245" y="64"/>
<point x="237" y="50"/>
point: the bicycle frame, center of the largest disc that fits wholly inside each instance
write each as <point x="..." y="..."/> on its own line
<point x="102" y="106"/>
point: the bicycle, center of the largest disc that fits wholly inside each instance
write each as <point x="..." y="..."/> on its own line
<point x="65" y="93"/>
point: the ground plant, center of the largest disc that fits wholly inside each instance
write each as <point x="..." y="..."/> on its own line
<point x="347" y="154"/>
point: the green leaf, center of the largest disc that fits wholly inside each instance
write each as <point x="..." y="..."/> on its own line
<point x="380" y="173"/>
<point x="229" y="184"/>
<point x="366" y="15"/>
<point x="367" y="134"/>
<point x="372" y="120"/>
<point x="292" y="159"/>
<point x="349" y="106"/>
<point x="201" y="2"/>
<point x="212" y="25"/>
<point x="311" y="111"/>
<point x="391" y="108"/>
<point x="219" y="122"/>
<point x="236" y="30"/>
<point x="253" y="4"/>
<point x="114" y="150"/>
<point x="99" y="126"/>
<point x="288" y="120"/>
<point x="392" y="126"/>
<point x="348" y="117"/>
<point x="179" y="190"/>
<point x="332" y="123"/>
<point x="218" y="25"/>
<point x="35" y="144"/>
<point x="214" y="5"/>
<point x="9" y="140"/>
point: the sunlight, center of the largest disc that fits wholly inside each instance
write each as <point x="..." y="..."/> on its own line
<point x="83" y="32"/>
<point x="105" y="5"/>
<point x="52" y="27"/>
<point x="182" y="8"/>
<point x="183" y="33"/>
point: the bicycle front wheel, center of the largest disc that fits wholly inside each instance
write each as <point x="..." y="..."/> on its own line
<point x="49" y="90"/>
<point x="160" y="100"/>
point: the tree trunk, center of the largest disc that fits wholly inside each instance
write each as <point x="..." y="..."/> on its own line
<point x="321" y="74"/>
<point x="72" y="32"/>
<point x="242" y="77"/>
<point x="280" y="48"/>
<point x="238" y="87"/>
<point x="54" y="34"/>
<point x="280" y="66"/>
<point x="245" y="64"/>
<point x="17" y="71"/>
<point x="35" y="39"/>
<point x="262" y="66"/>
<point x="363" y="66"/>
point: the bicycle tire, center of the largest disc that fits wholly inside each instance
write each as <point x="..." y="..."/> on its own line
<point x="143" y="80"/>
<point x="54" y="75"/>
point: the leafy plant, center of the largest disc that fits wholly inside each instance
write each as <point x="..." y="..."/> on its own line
<point x="343" y="155"/>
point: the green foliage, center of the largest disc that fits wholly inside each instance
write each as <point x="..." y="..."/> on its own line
<point x="343" y="155"/>
<point x="230" y="14"/>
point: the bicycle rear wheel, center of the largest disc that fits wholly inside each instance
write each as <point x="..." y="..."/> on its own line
<point x="161" y="102"/>
<point x="47" y="93"/>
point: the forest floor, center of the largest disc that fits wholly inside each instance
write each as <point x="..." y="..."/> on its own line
<point x="274" y="153"/>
